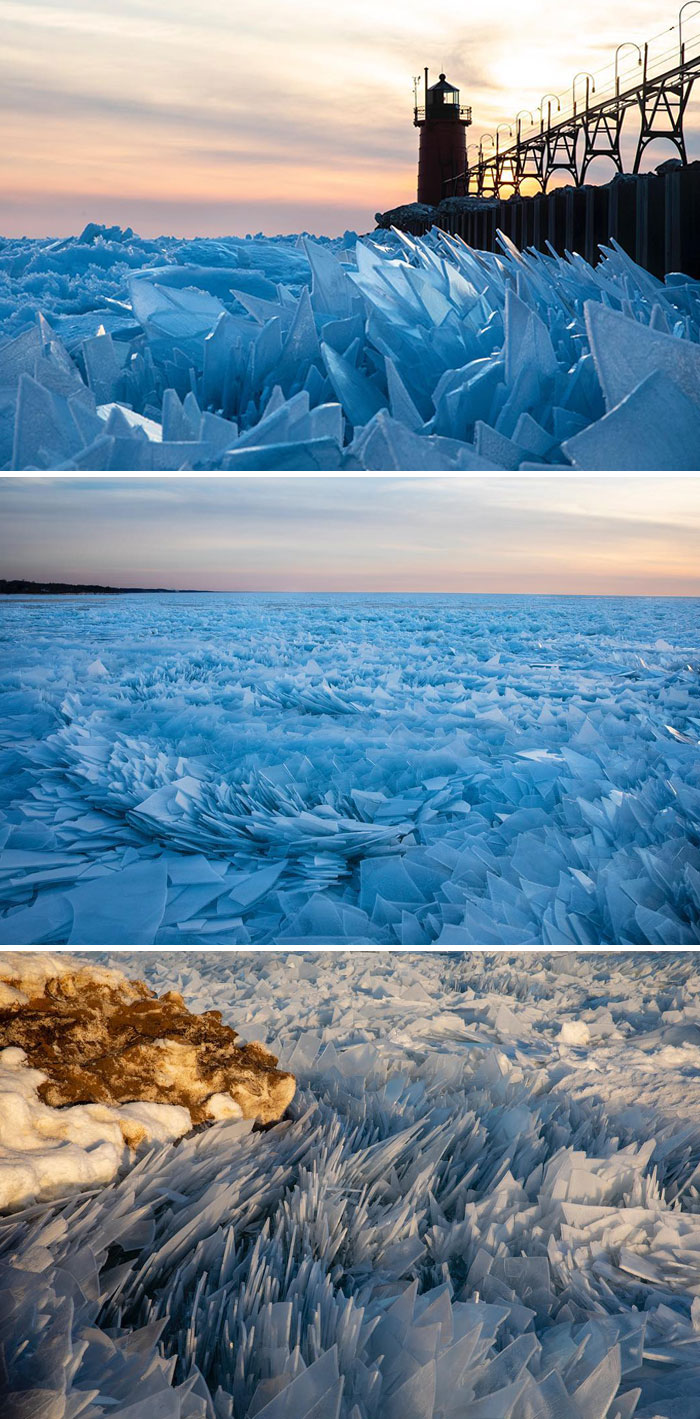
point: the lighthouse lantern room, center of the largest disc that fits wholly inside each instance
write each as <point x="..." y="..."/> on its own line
<point x="443" y="143"/>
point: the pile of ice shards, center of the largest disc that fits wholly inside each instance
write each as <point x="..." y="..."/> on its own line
<point x="350" y="769"/>
<point x="453" y="1221"/>
<point x="390" y="352"/>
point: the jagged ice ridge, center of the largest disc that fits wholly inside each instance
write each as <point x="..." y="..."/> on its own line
<point x="389" y="352"/>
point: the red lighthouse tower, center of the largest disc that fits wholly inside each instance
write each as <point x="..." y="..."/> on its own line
<point x="443" y="141"/>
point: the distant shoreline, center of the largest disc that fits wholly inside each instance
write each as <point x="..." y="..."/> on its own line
<point x="61" y="588"/>
<point x="66" y="588"/>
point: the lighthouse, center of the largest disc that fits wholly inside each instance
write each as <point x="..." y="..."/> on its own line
<point x="443" y="140"/>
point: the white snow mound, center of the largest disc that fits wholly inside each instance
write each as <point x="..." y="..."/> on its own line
<point x="575" y="1032"/>
<point x="47" y="1152"/>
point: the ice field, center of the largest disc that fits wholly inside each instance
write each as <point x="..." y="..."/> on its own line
<point x="481" y="1205"/>
<point x="233" y="769"/>
<point x="389" y="352"/>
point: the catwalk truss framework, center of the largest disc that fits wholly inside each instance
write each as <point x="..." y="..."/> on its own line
<point x="658" y="88"/>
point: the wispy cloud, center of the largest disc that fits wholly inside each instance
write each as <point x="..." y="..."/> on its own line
<point x="579" y="536"/>
<point x="307" y="103"/>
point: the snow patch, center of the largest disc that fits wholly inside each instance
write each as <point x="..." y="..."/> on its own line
<point x="48" y="1152"/>
<point x="575" y="1032"/>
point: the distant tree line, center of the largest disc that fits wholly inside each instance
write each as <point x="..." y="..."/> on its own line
<point x="63" y="588"/>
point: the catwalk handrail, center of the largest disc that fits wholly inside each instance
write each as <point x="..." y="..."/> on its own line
<point x="649" y="80"/>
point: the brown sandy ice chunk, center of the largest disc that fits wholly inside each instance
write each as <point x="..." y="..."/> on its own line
<point x="100" y="1038"/>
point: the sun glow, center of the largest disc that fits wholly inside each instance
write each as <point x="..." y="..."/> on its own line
<point x="148" y="112"/>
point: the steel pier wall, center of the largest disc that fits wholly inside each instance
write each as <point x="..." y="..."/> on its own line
<point x="655" y="218"/>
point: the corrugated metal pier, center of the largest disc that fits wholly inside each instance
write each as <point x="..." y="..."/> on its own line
<point x="655" y="217"/>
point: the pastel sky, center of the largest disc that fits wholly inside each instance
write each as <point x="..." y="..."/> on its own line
<point x="580" y="535"/>
<point x="219" y="117"/>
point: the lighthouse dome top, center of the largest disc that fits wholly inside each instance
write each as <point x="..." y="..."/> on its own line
<point x="443" y="96"/>
<point x="440" y="102"/>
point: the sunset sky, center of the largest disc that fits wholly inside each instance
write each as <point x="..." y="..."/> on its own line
<point x="585" y="535"/>
<point x="224" y="118"/>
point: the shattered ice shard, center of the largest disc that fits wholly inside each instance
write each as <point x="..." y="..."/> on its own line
<point x="514" y="773"/>
<point x="437" y="356"/>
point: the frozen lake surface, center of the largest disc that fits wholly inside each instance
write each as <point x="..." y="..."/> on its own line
<point x="483" y="1204"/>
<point x="389" y="352"/>
<point x="349" y="769"/>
